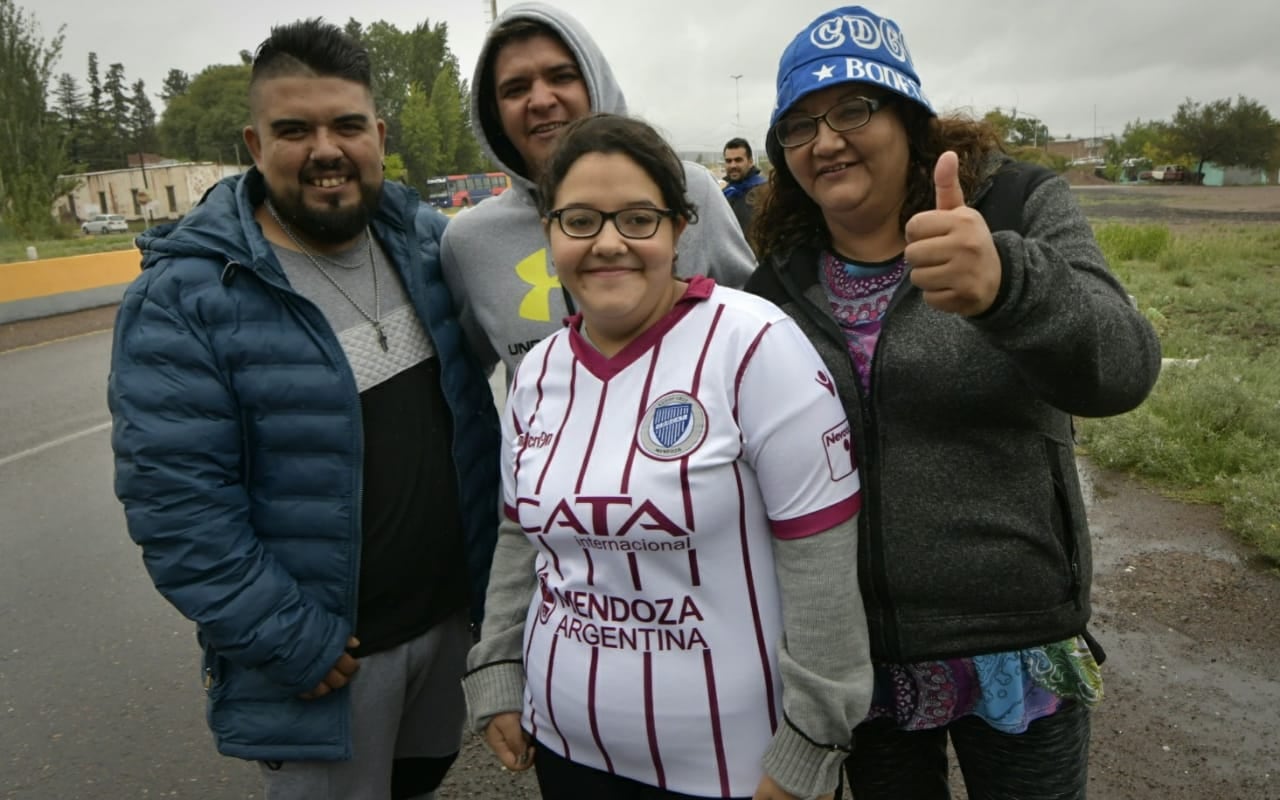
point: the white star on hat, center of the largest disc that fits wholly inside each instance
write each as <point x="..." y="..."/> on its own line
<point x="827" y="71"/>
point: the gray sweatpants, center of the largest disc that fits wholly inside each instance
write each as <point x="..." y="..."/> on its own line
<point x="406" y="702"/>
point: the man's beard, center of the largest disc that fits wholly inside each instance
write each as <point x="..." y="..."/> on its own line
<point x="330" y="225"/>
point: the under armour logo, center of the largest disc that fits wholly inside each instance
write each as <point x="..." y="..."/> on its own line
<point x="536" y="304"/>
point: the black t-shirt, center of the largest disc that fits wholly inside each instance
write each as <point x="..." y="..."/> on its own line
<point x="412" y="566"/>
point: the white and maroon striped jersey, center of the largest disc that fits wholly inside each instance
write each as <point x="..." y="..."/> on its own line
<point x="651" y="484"/>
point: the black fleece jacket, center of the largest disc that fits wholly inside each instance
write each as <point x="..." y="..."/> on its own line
<point x="973" y="537"/>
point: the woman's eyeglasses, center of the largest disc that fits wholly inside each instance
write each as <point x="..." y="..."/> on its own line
<point x="633" y="223"/>
<point x="798" y="129"/>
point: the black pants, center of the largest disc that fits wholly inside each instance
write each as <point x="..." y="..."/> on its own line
<point x="1049" y="761"/>
<point x="561" y="779"/>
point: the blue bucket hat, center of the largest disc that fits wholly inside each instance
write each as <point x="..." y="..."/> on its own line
<point x="847" y="45"/>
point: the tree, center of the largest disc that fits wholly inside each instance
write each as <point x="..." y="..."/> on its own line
<point x="117" y="111"/>
<point x="1255" y="132"/>
<point x="96" y="145"/>
<point x="388" y="55"/>
<point x="1019" y="131"/>
<point x="176" y="83"/>
<point x="469" y="156"/>
<point x="394" y="169"/>
<point x="207" y="122"/>
<point x="1149" y="140"/>
<point x="1227" y="134"/>
<point x="446" y="108"/>
<point x="69" y="106"/>
<point x="32" y="152"/>
<point x="420" y="146"/>
<point x="142" y="120"/>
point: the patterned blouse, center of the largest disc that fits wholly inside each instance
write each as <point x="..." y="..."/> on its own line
<point x="1008" y="690"/>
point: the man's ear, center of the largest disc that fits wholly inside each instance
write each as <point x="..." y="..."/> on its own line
<point x="254" y="144"/>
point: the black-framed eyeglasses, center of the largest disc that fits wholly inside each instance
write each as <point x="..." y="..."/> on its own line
<point x="798" y="129"/>
<point x="633" y="223"/>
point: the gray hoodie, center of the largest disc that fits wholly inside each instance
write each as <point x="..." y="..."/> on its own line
<point x="495" y="255"/>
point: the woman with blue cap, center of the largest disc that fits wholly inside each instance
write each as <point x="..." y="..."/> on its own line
<point x="966" y="312"/>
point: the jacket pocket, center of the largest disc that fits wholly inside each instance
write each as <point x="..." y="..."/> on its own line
<point x="1062" y="516"/>
<point x="212" y="667"/>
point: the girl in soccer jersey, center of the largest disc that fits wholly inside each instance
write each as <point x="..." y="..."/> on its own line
<point x="962" y="305"/>
<point x="669" y="612"/>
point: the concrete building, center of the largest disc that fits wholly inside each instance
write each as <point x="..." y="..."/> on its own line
<point x="151" y="192"/>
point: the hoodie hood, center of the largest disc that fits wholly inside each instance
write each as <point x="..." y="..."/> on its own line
<point x="602" y="89"/>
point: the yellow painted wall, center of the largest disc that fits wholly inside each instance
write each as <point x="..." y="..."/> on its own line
<point x="27" y="279"/>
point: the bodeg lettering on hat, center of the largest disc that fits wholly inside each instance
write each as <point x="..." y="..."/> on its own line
<point x="849" y="44"/>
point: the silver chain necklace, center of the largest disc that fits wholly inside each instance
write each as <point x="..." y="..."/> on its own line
<point x="335" y="262"/>
<point x="376" y="318"/>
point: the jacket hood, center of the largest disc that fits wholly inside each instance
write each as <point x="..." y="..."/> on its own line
<point x="214" y="229"/>
<point x="222" y="226"/>
<point x="602" y="89"/>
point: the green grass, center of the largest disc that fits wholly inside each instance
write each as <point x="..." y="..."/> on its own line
<point x="16" y="250"/>
<point x="75" y="243"/>
<point x="1210" y="432"/>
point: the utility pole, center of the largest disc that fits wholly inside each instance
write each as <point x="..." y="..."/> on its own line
<point x="737" y="97"/>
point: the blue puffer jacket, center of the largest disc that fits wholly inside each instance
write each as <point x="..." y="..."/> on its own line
<point x="239" y="445"/>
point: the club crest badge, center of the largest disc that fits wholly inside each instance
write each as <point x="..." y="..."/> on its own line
<point x="673" y="427"/>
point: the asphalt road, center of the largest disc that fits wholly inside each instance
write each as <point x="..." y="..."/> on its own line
<point x="100" y="692"/>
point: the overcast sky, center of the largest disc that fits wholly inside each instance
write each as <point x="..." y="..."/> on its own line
<point x="1082" y="67"/>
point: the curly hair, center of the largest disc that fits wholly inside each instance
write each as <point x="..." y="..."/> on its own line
<point x="787" y="217"/>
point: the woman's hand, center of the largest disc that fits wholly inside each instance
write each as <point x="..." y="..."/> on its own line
<point x="509" y="742"/>
<point x="953" y="258"/>
<point x="769" y="790"/>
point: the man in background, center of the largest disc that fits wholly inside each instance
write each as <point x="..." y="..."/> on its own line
<point x="741" y="176"/>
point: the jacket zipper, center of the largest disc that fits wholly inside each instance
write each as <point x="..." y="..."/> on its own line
<point x="870" y="444"/>
<point x="333" y="349"/>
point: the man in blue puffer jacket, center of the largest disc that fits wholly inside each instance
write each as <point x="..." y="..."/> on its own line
<point x="305" y="451"/>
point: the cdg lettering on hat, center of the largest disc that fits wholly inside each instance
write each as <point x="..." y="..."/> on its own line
<point x="850" y="44"/>
<point x="866" y="31"/>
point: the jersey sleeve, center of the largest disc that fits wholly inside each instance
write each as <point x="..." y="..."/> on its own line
<point x="796" y="435"/>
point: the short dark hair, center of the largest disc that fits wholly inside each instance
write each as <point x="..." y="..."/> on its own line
<point x="738" y="143"/>
<point x="311" y="47"/>
<point x="519" y="29"/>
<point x="633" y="138"/>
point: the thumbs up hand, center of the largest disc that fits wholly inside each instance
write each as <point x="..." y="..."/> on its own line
<point x="952" y="255"/>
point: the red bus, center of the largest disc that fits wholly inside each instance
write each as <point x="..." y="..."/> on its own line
<point x="461" y="191"/>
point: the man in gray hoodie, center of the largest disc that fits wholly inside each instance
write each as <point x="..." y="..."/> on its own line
<point x="538" y="70"/>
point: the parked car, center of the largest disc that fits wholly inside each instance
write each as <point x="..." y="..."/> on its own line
<point x="106" y="223"/>
<point x="1169" y="173"/>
